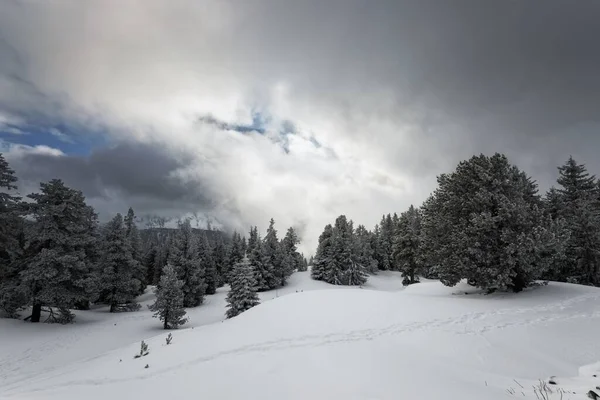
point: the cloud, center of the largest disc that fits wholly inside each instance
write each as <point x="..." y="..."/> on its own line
<point x="381" y="98"/>
<point x="60" y="135"/>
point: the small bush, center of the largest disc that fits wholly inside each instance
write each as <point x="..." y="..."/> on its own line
<point x="144" y="351"/>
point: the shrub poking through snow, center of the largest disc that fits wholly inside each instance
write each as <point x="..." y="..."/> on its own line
<point x="169" y="339"/>
<point x="143" y="350"/>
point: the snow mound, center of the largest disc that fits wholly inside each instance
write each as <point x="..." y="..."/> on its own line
<point x="421" y="343"/>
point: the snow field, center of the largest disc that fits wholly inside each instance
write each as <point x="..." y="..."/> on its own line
<point x="313" y="340"/>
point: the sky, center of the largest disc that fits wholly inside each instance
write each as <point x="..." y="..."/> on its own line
<point x="237" y="111"/>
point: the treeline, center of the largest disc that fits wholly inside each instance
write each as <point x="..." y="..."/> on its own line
<point x="487" y="223"/>
<point x="55" y="257"/>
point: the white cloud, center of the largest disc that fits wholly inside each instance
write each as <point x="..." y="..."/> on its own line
<point x="14" y="150"/>
<point x="63" y="137"/>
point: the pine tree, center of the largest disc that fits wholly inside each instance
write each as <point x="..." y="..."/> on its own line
<point x="242" y="295"/>
<point x="185" y="258"/>
<point x="56" y="269"/>
<point x="303" y="266"/>
<point x="385" y="235"/>
<point x="407" y="245"/>
<point x="323" y="255"/>
<point x="364" y="249"/>
<point x="263" y="274"/>
<point x="273" y="258"/>
<point x="208" y="265"/>
<point x="162" y="255"/>
<point x="575" y="180"/>
<point x="169" y="299"/>
<point x="149" y="261"/>
<point x="485" y="223"/>
<point x="220" y="258"/>
<point x="577" y="202"/>
<point x="293" y="260"/>
<point x="135" y="244"/>
<point x="341" y="265"/>
<point x="235" y="254"/>
<point x="12" y="295"/>
<point x="119" y="281"/>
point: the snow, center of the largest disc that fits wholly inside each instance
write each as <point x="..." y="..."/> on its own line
<point x="313" y="340"/>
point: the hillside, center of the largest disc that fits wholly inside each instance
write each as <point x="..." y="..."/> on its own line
<point x="312" y="340"/>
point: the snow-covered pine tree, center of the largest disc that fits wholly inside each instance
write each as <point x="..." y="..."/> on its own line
<point x="135" y="243"/>
<point x="208" y="265"/>
<point x="364" y="249"/>
<point x="119" y="282"/>
<point x="219" y="252"/>
<point x="242" y="295"/>
<point x="343" y="268"/>
<point x="149" y="261"/>
<point x="485" y="223"/>
<point x="273" y="258"/>
<point x="407" y="245"/>
<point x="185" y="258"/>
<point x="303" y="266"/>
<point x="385" y="236"/>
<point x="323" y="254"/>
<point x="263" y="274"/>
<point x="293" y="259"/>
<point x="168" y="305"/>
<point x="577" y="201"/>
<point x="235" y="253"/>
<point x="162" y="255"/>
<point x="12" y="296"/>
<point x="353" y="270"/>
<point x="56" y="269"/>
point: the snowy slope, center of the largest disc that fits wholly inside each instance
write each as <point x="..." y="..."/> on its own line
<point x="426" y="342"/>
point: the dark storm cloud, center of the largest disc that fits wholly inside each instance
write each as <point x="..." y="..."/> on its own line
<point x="478" y="75"/>
<point x="128" y="174"/>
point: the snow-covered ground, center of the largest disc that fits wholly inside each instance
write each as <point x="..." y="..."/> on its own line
<point x="311" y="340"/>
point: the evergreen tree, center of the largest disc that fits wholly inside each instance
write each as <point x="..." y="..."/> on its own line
<point x="169" y="299"/>
<point x="220" y="258"/>
<point x="263" y="274"/>
<point x="242" y="295"/>
<point x="162" y="255"/>
<point x="185" y="258"/>
<point x="323" y="255"/>
<point x="407" y="245"/>
<point x="149" y="262"/>
<point x="235" y="253"/>
<point x="12" y="295"/>
<point x="135" y="244"/>
<point x="273" y="258"/>
<point x="341" y="246"/>
<point x="119" y="281"/>
<point x="577" y="202"/>
<point x="56" y="269"/>
<point x="364" y="249"/>
<point x="385" y="243"/>
<point x="208" y="265"/>
<point x="485" y="223"/>
<point x="293" y="260"/>
<point x="341" y="264"/>
<point x="303" y="266"/>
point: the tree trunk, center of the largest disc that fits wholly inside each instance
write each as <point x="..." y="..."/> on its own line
<point x="113" y="307"/>
<point x="36" y="312"/>
<point x="166" y="324"/>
